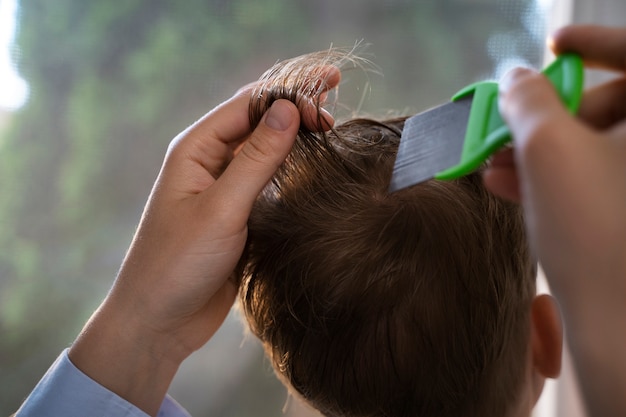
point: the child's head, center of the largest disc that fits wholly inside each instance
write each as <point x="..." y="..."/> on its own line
<point x="416" y="303"/>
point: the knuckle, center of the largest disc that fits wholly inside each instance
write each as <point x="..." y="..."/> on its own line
<point x="259" y="150"/>
<point x="174" y="148"/>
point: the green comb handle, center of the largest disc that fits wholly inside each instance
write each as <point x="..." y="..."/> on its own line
<point x="486" y="131"/>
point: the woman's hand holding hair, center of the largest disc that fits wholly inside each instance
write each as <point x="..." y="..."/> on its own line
<point x="173" y="292"/>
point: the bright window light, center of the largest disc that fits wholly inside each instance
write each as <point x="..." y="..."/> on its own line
<point x="13" y="88"/>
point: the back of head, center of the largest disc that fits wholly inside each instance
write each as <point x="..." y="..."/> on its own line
<point x="414" y="303"/>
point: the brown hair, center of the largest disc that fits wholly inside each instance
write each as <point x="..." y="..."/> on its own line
<point x="414" y="303"/>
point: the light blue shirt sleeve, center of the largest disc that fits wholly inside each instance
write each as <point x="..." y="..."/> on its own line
<point x="65" y="391"/>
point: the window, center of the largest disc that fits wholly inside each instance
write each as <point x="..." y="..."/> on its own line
<point x="91" y="94"/>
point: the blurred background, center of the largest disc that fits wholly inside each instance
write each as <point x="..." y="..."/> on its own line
<point x="91" y="93"/>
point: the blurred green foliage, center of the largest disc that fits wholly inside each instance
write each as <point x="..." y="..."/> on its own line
<point x="113" y="82"/>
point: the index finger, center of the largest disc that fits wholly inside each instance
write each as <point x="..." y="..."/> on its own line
<point x="226" y="123"/>
<point x="599" y="46"/>
<point x="212" y="140"/>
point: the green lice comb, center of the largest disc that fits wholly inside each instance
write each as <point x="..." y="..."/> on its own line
<point x="454" y="139"/>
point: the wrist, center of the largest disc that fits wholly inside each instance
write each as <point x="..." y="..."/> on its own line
<point x="116" y="351"/>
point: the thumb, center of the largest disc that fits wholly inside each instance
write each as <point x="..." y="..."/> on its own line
<point x="565" y="169"/>
<point x="550" y="144"/>
<point x="531" y="107"/>
<point x="259" y="158"/>
<point x="538" y="122"/>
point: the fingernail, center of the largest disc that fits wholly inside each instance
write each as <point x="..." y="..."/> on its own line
<point x="279" y="116"/>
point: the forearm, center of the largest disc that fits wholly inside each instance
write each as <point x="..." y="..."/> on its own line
<point x="66" y="391"/>
<point x="594" y="309"/>
<point x="600" y="368"/>
<point x="116" y="353"/>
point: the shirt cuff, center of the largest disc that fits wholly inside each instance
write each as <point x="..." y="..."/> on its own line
<point x="66" y="391"/>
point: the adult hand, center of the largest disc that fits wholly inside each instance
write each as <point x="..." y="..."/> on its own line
<point x="173" y="292"/>
<point x="570" y="175"/>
